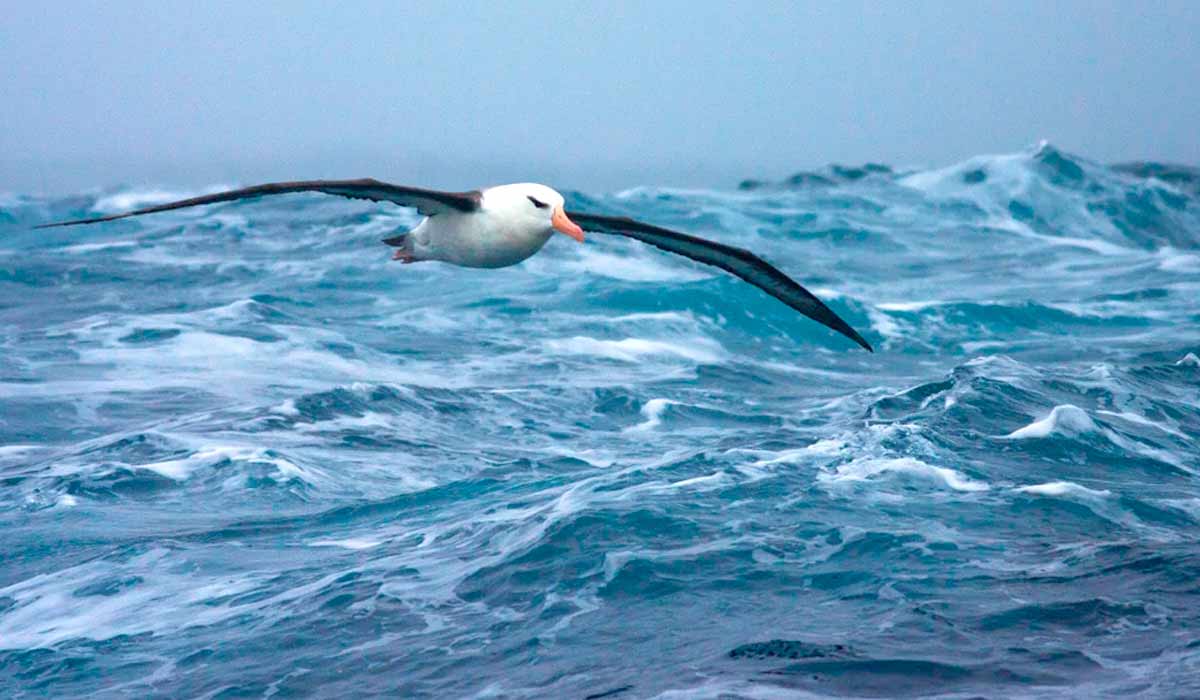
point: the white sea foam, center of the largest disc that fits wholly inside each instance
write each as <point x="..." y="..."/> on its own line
<point x="239" y="366"/>
<point x="1096" y="245"/>
<point x="1064" y="488"/>
<point x="355" y="543"/>
<point x="1189" y="360"/>
<point x="828" y="293"/>
<point x="829" y="447"/>
<point x="720" y="689"/>
<point x="1071" y="421"/>
<point x="948" y="180"/>
<point x="595" y="458"/>
<point x="714" y="478"/>
<point x="696" y="349"/>
<point x="1005" y="369"/>
<point x="1015" y="177"/>
<point x="47" y="611"/>
<point x="653" y="412"/>
<point x="1062" y="420"/>
<point x="181" y="469"/>
<point x="863" y="469"/>
<point x="368" y="420"/>
<point x="884" y="325"/>
<point x="614" y="561"/>
<point x="973" y="346"/>
<point x="167" y="595"/>
<point x="656" y="318"/>
<point x="1173" y="260"/>
<point x="702" y="483"/>
<point x="909" y="306"/>
<point x="819" y="453"/>
<point x="82" y="248"/>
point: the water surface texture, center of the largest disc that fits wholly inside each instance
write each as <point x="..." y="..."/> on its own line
<point x="245" y="455"/>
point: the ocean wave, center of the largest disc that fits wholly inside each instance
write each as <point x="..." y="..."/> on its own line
<point x="244" y="454"/>
<point x="865" y="469"/>
<point x="1063" y="420"/>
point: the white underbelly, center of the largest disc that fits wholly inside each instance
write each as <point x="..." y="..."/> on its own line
<point x="468" y="240"/>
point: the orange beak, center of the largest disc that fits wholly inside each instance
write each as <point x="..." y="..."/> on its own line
<point x="562" y="224"/>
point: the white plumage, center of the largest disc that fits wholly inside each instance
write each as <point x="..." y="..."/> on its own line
<point x="512" y="223"/>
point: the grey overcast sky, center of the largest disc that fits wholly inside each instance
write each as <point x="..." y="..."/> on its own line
<point x="584" y="95"/>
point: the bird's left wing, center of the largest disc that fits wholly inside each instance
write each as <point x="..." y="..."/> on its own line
<point x="737" y="261"/>
<point x="427" y="202"/>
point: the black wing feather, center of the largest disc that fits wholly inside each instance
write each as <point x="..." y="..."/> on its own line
<point x="737" y="261"/>
<point x="427" y="202"/>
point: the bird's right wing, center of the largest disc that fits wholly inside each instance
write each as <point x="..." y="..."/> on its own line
<point x="737" y="261"/>
<point x="427" y="202"/>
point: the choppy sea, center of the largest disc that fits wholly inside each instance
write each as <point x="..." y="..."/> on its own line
<point x="243" y="455"/>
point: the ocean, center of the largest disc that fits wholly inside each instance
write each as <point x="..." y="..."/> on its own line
<point x="244" y="455"/>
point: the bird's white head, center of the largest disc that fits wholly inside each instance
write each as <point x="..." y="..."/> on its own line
<point x="533" y="205"/>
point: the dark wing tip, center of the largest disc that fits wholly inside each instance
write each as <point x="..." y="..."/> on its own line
<point x="816" y="309"/>
<point x="76" y="222"/>
<point x="853" y="335"/>
<point x="826" y="316"/>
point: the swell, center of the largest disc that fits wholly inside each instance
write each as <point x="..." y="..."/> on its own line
<point x="242" y="454"/>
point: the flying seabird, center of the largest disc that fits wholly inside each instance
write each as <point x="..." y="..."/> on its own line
<point x="503" y="225"/>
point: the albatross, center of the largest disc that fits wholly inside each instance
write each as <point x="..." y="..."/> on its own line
<point x="503" y="225"/>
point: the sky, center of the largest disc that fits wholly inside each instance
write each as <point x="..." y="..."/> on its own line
<point x="595" y="96"/>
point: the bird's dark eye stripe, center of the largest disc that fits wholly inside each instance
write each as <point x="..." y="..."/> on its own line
<point x="536" y="203"/>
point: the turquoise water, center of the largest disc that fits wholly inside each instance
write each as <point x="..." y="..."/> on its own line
<point x="243" y="455"/>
